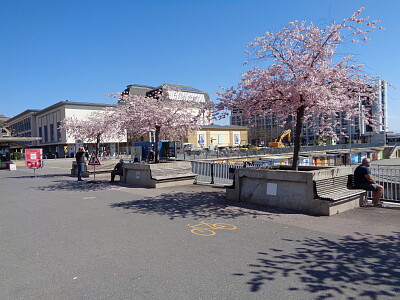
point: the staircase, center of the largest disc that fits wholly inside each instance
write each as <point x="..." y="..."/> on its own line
<point x="390" y="152"/>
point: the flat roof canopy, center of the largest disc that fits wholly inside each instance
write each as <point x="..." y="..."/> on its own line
<point x="17" y="139"/>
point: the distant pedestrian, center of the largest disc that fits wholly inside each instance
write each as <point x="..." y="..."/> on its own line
<point x="150" y="157"/>
<point x="80" y="161"/>
<point x="118" y="170"/>
<point x="363" y="180"/>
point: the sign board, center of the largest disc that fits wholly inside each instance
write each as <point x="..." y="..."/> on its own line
<point x="272" y="188"/>
<point x="237" y="139"/>
<point x="186" y="96"/>
<point x="78" y="143"/>
<point x="94" y="161"/>
<point x="201" y="139"/>
<point x="33" y="158"/>
<point x="220" y="138"/>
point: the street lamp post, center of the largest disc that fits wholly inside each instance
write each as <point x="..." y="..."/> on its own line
<point x="350" y="140"/>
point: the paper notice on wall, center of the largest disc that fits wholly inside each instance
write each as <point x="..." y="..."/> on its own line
<point x="272" y="188"/>
<point x="137" y="175"/>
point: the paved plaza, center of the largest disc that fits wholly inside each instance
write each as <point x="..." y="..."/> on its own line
<point x="63" y="239"/>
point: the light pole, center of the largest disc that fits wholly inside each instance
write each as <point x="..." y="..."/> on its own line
<point x="350" y="140"/>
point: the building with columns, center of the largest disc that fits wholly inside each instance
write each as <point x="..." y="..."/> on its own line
<point x="45" y="124"/>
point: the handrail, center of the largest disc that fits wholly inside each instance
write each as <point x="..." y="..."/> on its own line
<point x="393" y="149"/>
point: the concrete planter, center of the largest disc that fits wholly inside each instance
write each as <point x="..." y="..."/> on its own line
<point x="74" y="170"/>
<point x="158" y="175"/>
<point x="285" y="188"/>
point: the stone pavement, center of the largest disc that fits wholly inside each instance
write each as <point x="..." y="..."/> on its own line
<point x="63" y="239"/>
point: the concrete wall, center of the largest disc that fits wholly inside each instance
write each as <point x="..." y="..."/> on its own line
<point x="286" y="188"/>
<point x="221" y="137"/>
<point x="141" y="174"/>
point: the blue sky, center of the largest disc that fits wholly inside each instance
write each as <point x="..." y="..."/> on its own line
<point x="82" y="50"/>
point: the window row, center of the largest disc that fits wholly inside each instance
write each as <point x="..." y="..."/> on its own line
<point x="47" y="133"/>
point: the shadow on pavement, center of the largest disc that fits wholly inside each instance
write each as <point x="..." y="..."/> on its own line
<point x="365" y="266"/>
<point x="41" y="176"/>
<point x="82" y="186"/>
<point x="198" y="205"/>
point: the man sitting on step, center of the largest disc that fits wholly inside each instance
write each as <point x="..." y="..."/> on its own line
<point x="363" y="180"/>
<point x="118" y="170"/>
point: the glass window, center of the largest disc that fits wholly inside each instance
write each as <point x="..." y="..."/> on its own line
<point x="51" y="132"/>
<point x="58" y="131"/>
<point x="41" y="134"/>
<point x="46" y="134"/>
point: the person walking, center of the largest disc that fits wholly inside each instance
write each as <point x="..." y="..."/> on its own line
<point x="80" y="161"/>
<point x="363" y="180"/>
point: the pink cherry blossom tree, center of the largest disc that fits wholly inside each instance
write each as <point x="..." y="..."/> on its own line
<point x="94" y="128"/>
<point x="304" y="78"/>
<point x="167" y="118"/>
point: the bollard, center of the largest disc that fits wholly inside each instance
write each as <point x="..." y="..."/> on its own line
<point x="212" y="173"/>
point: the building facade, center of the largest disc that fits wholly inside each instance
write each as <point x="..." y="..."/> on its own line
<point x="174" y="92"/>
<point x="45" y="124"/>
<point x="215" y="136"/>
<point x="209" y="136"/>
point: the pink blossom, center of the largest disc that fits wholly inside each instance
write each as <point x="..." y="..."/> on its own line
<point x="302" y="80"/>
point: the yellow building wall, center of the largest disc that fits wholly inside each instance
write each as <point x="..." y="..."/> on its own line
<point x="220" y="138"/>
<point x="227" y="135"/>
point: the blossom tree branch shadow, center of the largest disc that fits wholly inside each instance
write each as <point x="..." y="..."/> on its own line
<point x="197" y="205"/>
<point x="361" y="267"/>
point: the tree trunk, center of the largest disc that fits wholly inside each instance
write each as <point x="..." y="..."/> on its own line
<point x="156" y="141"/>
<point x="98" y="143"/>
<point x="297" y="137"/>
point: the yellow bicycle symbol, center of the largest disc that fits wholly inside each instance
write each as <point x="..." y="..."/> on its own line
<point x="207" y="229"/>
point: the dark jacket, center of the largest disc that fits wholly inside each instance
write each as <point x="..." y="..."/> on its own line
<point x="119" y="168"/>
<point x="80" y="157"/>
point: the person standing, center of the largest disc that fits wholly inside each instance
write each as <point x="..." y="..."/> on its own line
<point x="151" y="156"/>
<point x="80" y="161"/>
<point x="363" y="180"/>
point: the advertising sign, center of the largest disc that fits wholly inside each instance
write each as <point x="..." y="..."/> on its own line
<point x="78" y="143"/>
<point x="201" y="139"/>
<point x="33" y="158"/>
<point x="185" y="96"/>
<point x="237" y="139"/>
<point x="220" y="139"/>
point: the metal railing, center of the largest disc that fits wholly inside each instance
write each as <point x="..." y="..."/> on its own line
<point x="201" y="154"/>
<point x="213" y="173"/>
<point x="389" y="178"/>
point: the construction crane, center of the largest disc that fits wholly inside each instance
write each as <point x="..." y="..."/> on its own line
<point x="279" y="143"/>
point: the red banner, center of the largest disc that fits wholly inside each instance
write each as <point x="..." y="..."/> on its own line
<point x="33" y="158"/>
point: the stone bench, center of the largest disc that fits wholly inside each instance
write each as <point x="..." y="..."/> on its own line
<point x="338" y="188"/>
<point x="167" y="174"/>
<point x="103" y="168"/>
<point x="159" y="175"/>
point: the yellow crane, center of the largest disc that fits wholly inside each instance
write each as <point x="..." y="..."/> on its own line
<point x="279" y="143"/>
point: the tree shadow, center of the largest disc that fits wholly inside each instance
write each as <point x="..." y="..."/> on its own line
<point x="83" y="186"/>
<point x="365" y="266"/>
<point x="56" y="175"/>
<point x="197" y="205"/>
